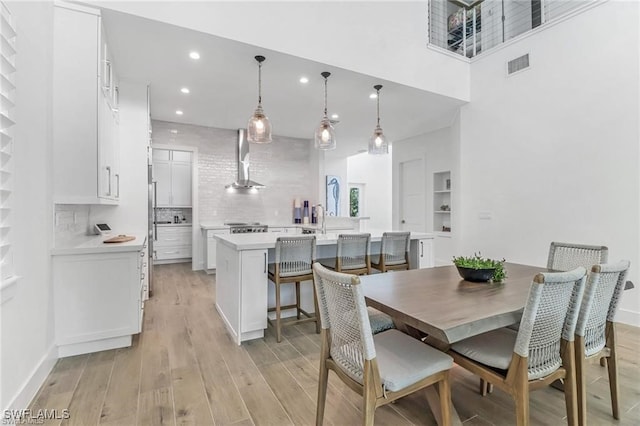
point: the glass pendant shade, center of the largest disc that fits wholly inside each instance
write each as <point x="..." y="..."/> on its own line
<point x="325" y="135"/>
<point x="378" y="144"/>
<point x="259" y="126"/>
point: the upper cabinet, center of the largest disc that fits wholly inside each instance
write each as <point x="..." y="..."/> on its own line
<point x="172" y="174"/>
<point x="86" y="154"/>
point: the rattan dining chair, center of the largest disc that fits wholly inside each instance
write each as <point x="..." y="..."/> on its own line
<point x="294" y="257"/>
<point x="381" y="367"/>
<point x="567" y="256"/>
<point x="394" y="252"/>
<point x="595" y="330"/>
<point x="540" y="352"/>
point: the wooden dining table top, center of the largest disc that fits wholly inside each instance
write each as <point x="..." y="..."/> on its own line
<point x="437" y="301"/>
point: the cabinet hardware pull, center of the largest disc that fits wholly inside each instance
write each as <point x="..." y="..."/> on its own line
<point x="421" y="248"/>
<point x="109" y="180"/>
<point x="265" y="263"/>
<point x="117" y="185"/>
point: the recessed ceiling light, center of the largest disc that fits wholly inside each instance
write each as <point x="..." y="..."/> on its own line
<point x="194" y="55"/>
<point x="178" y="112"/>
<point x="335" y="116"/>
<point x="373" y="96"/>
<point x="185" y="90"/>
<point x="304" y="80"/>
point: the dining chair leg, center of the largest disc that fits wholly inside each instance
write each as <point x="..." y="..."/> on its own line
<point x="298" y="299"/>
<point x="603" y="361"/>
<point x="278" y="336"/>
<point x="316" y="307"/>
<point x="322" y="380"/>
<point x="570" y="396"/>
<point x="612" y="366"/>
<point x="369" y="405"/>
<point x="521" y="395"/>
<point x="444" y="389"/>
<point x="483" y="387"/>
<point x="581" y="381"/>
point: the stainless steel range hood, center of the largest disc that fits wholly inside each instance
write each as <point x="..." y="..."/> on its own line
<point x="243" y="181"/>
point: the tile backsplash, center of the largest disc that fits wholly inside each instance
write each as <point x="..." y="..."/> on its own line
<point x="168" y="215"/>
<point x="283" y="166"/>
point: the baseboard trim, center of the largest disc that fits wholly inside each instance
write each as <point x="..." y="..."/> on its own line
<point x="628" y="317"/>
<point x="30" y="387"/>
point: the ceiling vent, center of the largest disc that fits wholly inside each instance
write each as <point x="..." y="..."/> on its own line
<point x="518" y="64"/>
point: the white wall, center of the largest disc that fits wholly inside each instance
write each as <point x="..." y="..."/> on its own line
<point x="383" y="39"/>
<point x="552" y="152"/>
<point x="27" y="352"/>
<point x="374" y="171"/>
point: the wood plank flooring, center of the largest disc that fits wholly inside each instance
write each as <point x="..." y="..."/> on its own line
<point x="185" y="370"/>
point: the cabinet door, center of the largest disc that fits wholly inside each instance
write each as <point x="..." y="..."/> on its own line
<point x="181" y="156"/>
<point x="181" y="184"/>
<point x="425" y="253"/>
<point x="106" y="173"/>
<point x="162" y="177"/>
<point x="254" y="290"/>
<point x="211" y="246"/>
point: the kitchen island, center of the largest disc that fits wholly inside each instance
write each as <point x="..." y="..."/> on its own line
<point x="242" y="291"/>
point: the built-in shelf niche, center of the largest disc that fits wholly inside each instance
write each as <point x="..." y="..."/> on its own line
<point x="442" y="202"/>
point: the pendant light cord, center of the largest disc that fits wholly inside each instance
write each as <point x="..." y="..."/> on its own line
<point x="378" y="107"/>
<point x="259" y="83"/>
<point x="325" y="97"/>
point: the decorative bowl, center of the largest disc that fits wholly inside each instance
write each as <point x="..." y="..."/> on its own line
<point x="476" y="275"/>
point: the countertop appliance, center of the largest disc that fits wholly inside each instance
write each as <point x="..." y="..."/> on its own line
<point x="246" y="227"/>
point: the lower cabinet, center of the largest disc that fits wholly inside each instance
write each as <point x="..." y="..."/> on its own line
<point x="173" y="243"/>
<point x="422" y="253"/>
<point x="210" y="246"/>
<point x="99" y="300"/>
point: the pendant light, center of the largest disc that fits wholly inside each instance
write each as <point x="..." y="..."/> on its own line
<point x="325" y="135"/>
<point x="259" y="127"/>
<point x="378" y="144"/>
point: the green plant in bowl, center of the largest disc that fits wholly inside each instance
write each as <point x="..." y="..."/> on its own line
<point x="473" y="265"/>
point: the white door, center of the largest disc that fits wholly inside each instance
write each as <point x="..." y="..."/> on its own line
<point x="412" y="196"/>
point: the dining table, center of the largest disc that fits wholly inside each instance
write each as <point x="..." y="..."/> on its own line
<point x="445" y="309"/>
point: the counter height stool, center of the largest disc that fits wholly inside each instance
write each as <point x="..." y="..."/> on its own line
<point x="595" y="331"/>
<point x="382" y="367"/>
<point x="394" y="252"/>
<point x="293" y="264"/>
<point x="353" y="255"/>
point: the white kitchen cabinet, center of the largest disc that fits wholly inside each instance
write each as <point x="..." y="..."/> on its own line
<point x="211" y="246"/>
<point x="98" y="300"/>
<point x="85" y="120"/>
<point x="422" y="253"/>
<point x="242" y="302"/>
<point x="173" y="243"/>
<point x="172" y="174"/>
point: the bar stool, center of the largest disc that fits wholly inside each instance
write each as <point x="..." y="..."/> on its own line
<point x="353" y="255"/>
<point x="394" y="252"/>
<point x="293" y="264"/>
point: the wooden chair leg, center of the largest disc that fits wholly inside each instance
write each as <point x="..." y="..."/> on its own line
<point x="570" y="386"/>
<point x="322" y="391"/>
<point x="581" y="383"/>
<point x="483" y="387"/>
<point x="603" y="362"/>
<point x="317" y="308"/>
<point x="612" y="366"/>
<point x="278" y="325"/>
<point x="369" y="408"/>
<point x="298" y="299"/>
<point x="444" y="389"/>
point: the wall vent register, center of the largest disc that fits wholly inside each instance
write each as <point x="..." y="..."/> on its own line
<point x="518" y="64"/>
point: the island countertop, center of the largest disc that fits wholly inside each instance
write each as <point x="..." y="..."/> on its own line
<point x="266" y="240"/>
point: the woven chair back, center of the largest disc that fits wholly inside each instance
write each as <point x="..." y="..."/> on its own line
<point x="394" y="248"/>
<point x="600" y="302"/>
<point x="295" y="255"/>
<point x="354" y="250"/>
<point x="567" y="256"/>
<point x="343" y="313"/>
<point x="550" y="315"/>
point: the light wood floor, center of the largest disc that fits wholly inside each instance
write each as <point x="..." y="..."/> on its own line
<point x="183" y="369"/>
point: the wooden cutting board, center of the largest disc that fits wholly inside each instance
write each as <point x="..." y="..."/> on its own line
<point x="120" y="239"/>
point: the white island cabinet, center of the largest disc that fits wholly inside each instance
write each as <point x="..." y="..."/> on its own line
<point x="99" y="292"/>
<point x="242" y="289"/>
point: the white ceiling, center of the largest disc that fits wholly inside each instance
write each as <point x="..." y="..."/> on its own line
<point x="223" y="85"/>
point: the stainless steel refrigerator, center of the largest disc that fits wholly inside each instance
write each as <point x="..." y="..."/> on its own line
<point x="151" y="209"/>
